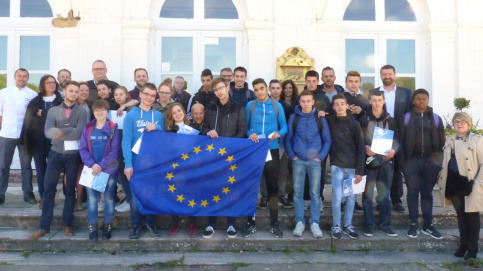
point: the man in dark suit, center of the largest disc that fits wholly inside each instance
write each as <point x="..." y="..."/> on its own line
<point x="398" y="101"/>
<point x="99" y="72"/>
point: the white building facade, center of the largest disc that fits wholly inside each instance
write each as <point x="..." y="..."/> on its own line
<point x="434" y="44"/>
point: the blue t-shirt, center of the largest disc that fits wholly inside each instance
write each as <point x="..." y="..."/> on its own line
<point x="98" y="142"/>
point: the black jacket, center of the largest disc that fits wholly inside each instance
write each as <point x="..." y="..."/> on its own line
<point x="421" y="137"/>
<point x="322" y="102"/>
<point x="183" y="98"/>
<point x="93" y="90"/>
<point x="403" y="101"/>
<point x="358" y="100"/>
<point x="33" y="126"/>
<point x="242" y="95"/>
<point x="201" y="97"/>
<point x="227" y="120"/>
<point x="348" y="148"/>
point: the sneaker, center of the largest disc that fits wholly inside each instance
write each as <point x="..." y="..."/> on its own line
<point x="173" y="231"/>
<point x="299" y="229"/>
<point x="106" y="235"/>
<point x="193" y="231"/>
<point x="263" y="204"/>
<point x="231" y="232"/>
<point x="123" y="207"/>
<point x="315" y="229"/>
<point x="93" y="235"/>
<point x="275" y="229"/>
<point x="208" y="232"/>
<point x="413" y="231"/>
<point x="100" y="207"/>
<point x="285" y="203"/>
<point x="135" y="232"/>
<point x="151" y="229"/>
<point x="388" y="232"/>
<point x="399" y="208"/>
<point x="250" y="228"/>
<point x="306" y="205"/>
<point x="349" y="231"/>
<point x="368" y="232"/>
<point x="336" y="233"/>
<point x="358" y="208"/>
<point x="431" y="231"/>
<point x="29" y="197"/>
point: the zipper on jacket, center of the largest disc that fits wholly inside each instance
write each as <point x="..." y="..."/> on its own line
<point x="422" y="134"/>
<point x="263" y="121"/>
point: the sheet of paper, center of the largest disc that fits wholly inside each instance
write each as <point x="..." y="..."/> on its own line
<point x="269" y="156"/>
<point x="360" y="187"/>
<point x="98" y="182"/>
<point x="118" y="120"/>
<point x="382" y="140"/>
<point x="86" y="177"/>
<point x="187" y="130"/>
<point x="71" y="145"/>
<point x="137" y="146"/>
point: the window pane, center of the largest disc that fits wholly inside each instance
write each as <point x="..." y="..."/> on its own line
<point x="399" y="10"/>
<point x="35" y="8"/>
<point x="3" y="81"/>
<point x="177" y="9"/>
<point x="177" y="54"/>
<point x="220" y="9"/>
<point x="401" y="54"/>
<point x="35" y="53"/>
<point x="3" y="52"/>
<point x="407" y="82"/>
<point x="4" y="8"/>
<point x="220" y="53"/>
<point x="360" y="10"/>
<point x="34" y="80"/>
<point x="359" y="55"/>
<point x="367" y="83"/>
<point x="187" y="78"/>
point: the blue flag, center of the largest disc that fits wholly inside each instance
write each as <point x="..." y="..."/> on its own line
<point x="192" y="175"/>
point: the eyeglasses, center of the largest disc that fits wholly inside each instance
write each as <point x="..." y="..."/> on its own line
<point x="100" y="111"/>
<point x="164" y="93"/>
<point x="149" y="95"/>
<point x="50" y="83"/>
<point x="198" y="114"/>
<point x="463" y="122"/>
<point x="98" y="69"/>
<point x="219" y="89"/>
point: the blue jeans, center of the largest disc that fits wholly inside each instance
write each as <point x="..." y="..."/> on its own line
<point x="338" y="177"/>
<point x="109" y="203"/>
<point x="40" y="154"/>
<point x="121" y="178"/>
<point x="381" y="178"/>
<point x="57" y="163"/>
<point x="300" y="168"/>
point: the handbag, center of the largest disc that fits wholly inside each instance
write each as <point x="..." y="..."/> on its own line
<point x="457" y="185"/>
<point x="374" y="162"/>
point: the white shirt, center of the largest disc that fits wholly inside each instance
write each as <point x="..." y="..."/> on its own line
<point x="13" y="104"/>
<point x="390" y="97"/>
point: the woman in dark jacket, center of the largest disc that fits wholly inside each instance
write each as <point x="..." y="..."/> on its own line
<point x="32" y="136"/>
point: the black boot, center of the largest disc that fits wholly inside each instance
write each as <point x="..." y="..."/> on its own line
<point x="461" y="251"/>
<point x="471" y="254"/>
<point x="107" y="232"/>
<point x="93" y="236"/>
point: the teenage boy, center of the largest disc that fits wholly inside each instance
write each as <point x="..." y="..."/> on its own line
<point x="379" y="176"/>
<point x="138" y="120"/>
<point x="223" y="117"/>
<point x="64" y="125"/>
<point x="239" y="90"/>
<point x="205" y="94"/>
<point x="347" y="162"/>
<point x="358" y="103"/>
<point x="307" y="148"/>
<point x="422" y="140"/>
<point x="266" y="119"/>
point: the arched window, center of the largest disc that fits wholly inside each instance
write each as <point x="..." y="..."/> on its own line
<point x="25" y="39"/>
<point x="379" y="32"/>
<point x="213" y="9"/>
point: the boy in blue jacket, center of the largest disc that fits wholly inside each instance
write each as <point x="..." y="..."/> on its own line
<point x="138" y="120"/>
<point x="266" y="119"/>
<point x="307" y="144"/>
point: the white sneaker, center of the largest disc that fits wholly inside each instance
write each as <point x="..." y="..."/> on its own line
<point x="100" y="207"/>
<point x="306" y="205"/>
<point x="299" y="229"/>
<point x="315" y="229"/>
<point x="123" y="207"/>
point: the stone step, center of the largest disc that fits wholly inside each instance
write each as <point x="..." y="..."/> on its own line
<point x="262" y="240"/>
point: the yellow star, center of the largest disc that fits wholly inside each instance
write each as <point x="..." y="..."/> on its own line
<point x="185" y="156"/>
<point x="226" y="190"/>
<point x="232" y="168"/>
<point x="171" y="188"/>
<point x="180" y="198"/>
<point x="222" y="151"/>
<point x="174" y="165"/>
<point x="204" y="203"/>
<point x="169" y="176"/>
<point x="197" y="150"/>
<point x="232" y="180"/>
<point x="230" y="158"/>
<point x="192" y="204"/>
<point x="216" y="198"/>
<point x="210" y="147"/>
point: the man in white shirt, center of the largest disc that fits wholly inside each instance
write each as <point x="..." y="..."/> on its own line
<point x="13" y="104"/>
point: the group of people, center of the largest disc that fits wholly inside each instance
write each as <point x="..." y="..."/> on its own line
<point x="68" y="125"/>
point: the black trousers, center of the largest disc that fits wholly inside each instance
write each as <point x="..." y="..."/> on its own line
<point x="396" y="186"/>
<point x="468" y="224"/>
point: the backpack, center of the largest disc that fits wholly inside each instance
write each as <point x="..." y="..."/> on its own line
<point x="254" y="104"/>
<point x="408" y="116"/>
<point x="295" y="123"/>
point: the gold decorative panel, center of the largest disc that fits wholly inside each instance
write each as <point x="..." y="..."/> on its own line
<point x="293" y="65"/>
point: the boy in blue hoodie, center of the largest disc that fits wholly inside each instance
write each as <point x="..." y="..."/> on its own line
<point x="307" y="144"/>
<point x="266" y="119"/>
<point x="138" y="120"/>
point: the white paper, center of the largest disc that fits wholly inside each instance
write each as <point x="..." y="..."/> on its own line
<point x="269" y="156"/>
<point x="86" y="177"/>
<point x="71" y="145"/>
<point x="360" y="187"/>
<point x="137" y="146"/>
<point x="382" y="140"/>
<point x="97" y="182"/>
<point x="187" y="130"/>
<point x="118" y="120"/>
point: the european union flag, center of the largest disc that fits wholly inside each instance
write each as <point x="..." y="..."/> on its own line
<point x="191" y="175"/>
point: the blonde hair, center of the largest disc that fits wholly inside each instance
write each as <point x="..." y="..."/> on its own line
<point x="124" y="89"/>
<point x="463" y="116"/>
<point x="168" y="82"/>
